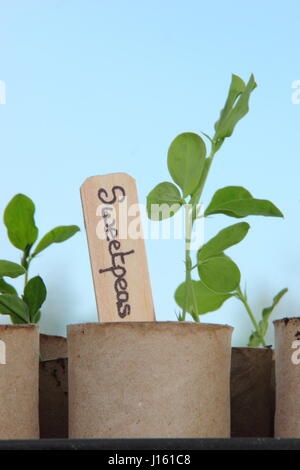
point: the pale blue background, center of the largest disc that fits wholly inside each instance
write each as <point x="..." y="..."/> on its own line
<point x="95" y="87"/>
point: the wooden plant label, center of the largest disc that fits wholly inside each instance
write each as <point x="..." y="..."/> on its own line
<point x="117" y="249"/>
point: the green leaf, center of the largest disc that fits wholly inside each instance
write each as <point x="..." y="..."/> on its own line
<point x="57" y="235"/>
<point x="163" y="201"/>
<point x="220" y="274"/>
<point x="6" y="288"/>
<point x="6" y="311"/>
<point x="36" y="317"/>
<point x="236" y="106"/>
<point x="237" y="87"/>
<point x="19" y="221"/>
<point x="14" y="306"/>
<point x="34" y="295"/>
<point x="255" y="339"/>
<point x="16" y="320"/>
<point x="226" y="238"/>
<point x="186" y="158"/>
<point x="7" y="268"/>
<point x="225" y="195"/>
<point x="236" y="201"/>
<point x="207" y="300"/>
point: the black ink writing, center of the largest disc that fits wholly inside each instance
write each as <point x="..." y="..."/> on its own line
<point x="118" y="257"/>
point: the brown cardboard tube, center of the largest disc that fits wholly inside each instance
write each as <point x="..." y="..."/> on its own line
<point x="287" y="371"/>
<point x="149" y="379"/>
<point x="252" y="412"/>
<point x="53" y="347"/>
<point x="273" y="392"/>
<point x="53" y="404"/>
<point x="54" y="399"/>
<point x="19" y="382"/>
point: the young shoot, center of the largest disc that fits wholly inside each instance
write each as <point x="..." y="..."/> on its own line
<point x="218" y="277"/>
<point x="23" y="233"/>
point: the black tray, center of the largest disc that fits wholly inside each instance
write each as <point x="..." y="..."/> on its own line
<point x="125" y="445"/>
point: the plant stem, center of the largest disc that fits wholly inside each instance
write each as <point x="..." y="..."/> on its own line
<point x="26" y="278"/>
<point x="190" y="217"/>
<point x="244" y="300"/>
<point x="188" y="260"/>
<point x="25" y="262"/>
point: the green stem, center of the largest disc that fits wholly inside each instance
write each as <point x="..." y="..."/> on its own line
<point x="26" y="278"/>
<point x="190" y="217"/>
<point x="243" y="299"/>
<point x="196" y="198"/>
<point x="25" y="262"/>
<point x="188" y="260"/>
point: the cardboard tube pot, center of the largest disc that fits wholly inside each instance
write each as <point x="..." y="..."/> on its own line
<point x="52" y="347"/>
<point x="273" y="391"/>
<point x="252" y="412"/>
<point x="149" y="379"/>
<point x="19" y="378"/>
<point x="287" y="373"/>
<point x="53" y="402"/>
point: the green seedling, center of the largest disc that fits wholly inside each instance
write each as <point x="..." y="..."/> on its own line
<point x="219" y="277"/>
<point x="23" y="233"/>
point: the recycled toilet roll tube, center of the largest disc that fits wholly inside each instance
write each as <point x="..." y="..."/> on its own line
<point x="252" y="409"/>
<point x="287" y="374"/>
<point x="53" y="386"/>
<point x="52" y="347"/>
<point x="149" y="379"/>
<point x="19" y="378"/>
<point x="273" y="391"/>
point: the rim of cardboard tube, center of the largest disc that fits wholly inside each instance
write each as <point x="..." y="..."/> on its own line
<point x="259" y="350"/>
<point x="149" y="324"/>
<point x="286" y="320"/>
<point x="52" y="336"/>
<point x="23" y="325"/>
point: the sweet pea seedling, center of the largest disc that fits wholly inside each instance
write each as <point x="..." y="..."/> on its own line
<point x="189" y="166"/>
<point x="23" y="233"/>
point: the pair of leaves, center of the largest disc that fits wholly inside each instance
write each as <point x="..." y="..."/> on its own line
<point x="217" y="271"/>
<point x="186" y="161"/>
<point x="236" y="201"/>
<point x="27" y="309"/>
<point x="236" y="106"/>
<point x="219" y="275"/>
<point x="206" y="299"/>
<point x="21" y="228"/>
<point x="255" y="338"/>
